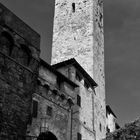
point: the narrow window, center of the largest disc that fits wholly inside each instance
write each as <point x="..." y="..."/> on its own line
<point x="6" y="43"/>
<point x="46" y="88"/>
<point x="35" y="109"/>
<point x="100" y="127"/>
<point x="49" y="111"/>
<point x="79" y="136"/>
<point x="59" y="82"/>
<point x="24" y="55"/>
<point x="78" y="76"/>
<point x="78" y="100"/>
<point x="73" y="7"/>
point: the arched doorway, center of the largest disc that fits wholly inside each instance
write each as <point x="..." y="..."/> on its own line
<point x="47" y="136"/>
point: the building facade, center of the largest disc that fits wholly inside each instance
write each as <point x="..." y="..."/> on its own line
<point x="111" y="120"/>
<point x="60" y="101"/>
<point x="51" y="106"/>
<point x="19" y="65"/>
<point x="78" y="33"/>
<point x="83" y="108"/>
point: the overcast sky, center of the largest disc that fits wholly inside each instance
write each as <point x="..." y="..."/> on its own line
<point x="122" y="47"/>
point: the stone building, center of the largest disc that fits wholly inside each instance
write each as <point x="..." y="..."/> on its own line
<point x="19" y="64"/>
<point x="52" y="102"/>
<point x="62" y="101"/>
<point x="78" y="33"/>
<point x="83" y="108"/>
<point x="111" y="120"/>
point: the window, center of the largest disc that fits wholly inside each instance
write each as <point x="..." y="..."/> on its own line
<point x="38" y="82"/>
<point x="59" y="82"/>
<point x="100" y="127"/>
<point x="78" y="76"/>
<point x="79" y="136"/>
<point x="6" y="43"/>
<point x="55" y="92"/>
<point x="78" y="100"/>
<point x="24" y="55"/>
<point x="35" y="109"/>
<point x="73" y="7"/>
<point x="46" y="88"/>
<point x="49" y="111"/>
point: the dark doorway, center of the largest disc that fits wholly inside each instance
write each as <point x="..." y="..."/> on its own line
<point x="46" y="136"/>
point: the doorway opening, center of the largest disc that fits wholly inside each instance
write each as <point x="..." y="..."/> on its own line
<point x="47" y="136"/>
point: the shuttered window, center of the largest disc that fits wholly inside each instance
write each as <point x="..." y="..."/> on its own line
<point x="79" y="136"/>
<point x="35" y="108"/>
<point x="78" y="100"/>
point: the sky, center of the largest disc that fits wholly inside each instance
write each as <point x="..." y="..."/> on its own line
<point x="122" y="48"/>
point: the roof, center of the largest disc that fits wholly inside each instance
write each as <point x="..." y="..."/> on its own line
<point x="110" y="110"/>
<point x="45" y="64"/>
<point x="73" y="62"/>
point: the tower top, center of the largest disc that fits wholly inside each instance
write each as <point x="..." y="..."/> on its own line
<point x="78" y="32"/>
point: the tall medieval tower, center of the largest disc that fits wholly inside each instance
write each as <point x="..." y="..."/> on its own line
<point x="78" y="33"/>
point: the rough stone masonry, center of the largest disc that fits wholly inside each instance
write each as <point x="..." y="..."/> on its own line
<point x="78" y="33"/>
<point x="19" y="63"/>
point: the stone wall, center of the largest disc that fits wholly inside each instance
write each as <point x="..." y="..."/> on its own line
<point x="130" y="131"/>
<point x="78" y="33"/>
<point x="55" y="94"/>
<point x="19" y="64"/>
<point x="82" y="116"/>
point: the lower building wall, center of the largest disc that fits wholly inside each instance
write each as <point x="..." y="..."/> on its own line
<point x="99" y="118"/>
<point x="16" y="88"/>
<point x="79" y="127"/>
<point x="12" y="108"/>
<point x="57" y="123"/>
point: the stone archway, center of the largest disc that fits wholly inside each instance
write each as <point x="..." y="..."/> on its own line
<point x="47" y="136"/>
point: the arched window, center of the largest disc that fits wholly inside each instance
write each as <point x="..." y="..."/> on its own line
<point x="24" y="55"/>
<point x="6" y="43"/>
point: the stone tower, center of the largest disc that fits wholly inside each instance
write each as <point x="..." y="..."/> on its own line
<point x="78" y="33"/>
